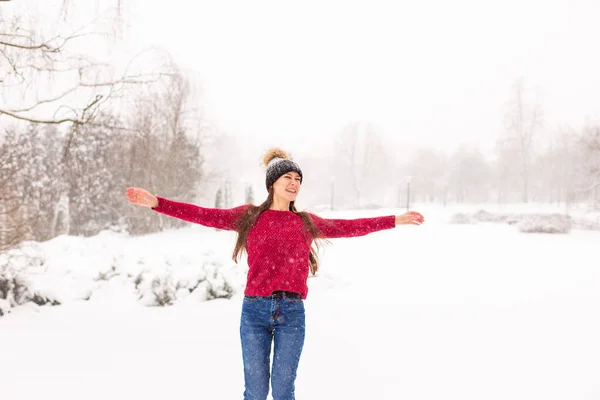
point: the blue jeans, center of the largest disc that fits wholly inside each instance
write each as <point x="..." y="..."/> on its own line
<point x="277" y="319"/>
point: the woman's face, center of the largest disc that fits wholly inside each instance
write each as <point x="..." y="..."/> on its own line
<point x="287" y="186"/>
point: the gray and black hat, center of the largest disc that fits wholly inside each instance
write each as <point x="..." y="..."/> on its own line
<point x="278" y="163"/>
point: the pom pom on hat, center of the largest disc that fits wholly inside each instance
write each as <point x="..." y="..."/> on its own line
<point x="275" y="152"/>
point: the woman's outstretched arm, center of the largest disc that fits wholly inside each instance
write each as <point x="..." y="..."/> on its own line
<point x="213" y="217"/>
<point x="337" y="228"/>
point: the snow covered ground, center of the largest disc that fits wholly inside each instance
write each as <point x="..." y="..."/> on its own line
<point x="438" y="311"/>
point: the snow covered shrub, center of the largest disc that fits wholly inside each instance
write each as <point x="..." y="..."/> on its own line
<point x="164" y="291"/>
<point x="587" y="222"/>
<point x="485" y="216"/>
<point x="512" y="219"/>
<point x="545" y="223"/>
<point x="461" y="218"/>
<point x="14" y="287"/>
<point x="106" y="275"/>
<point x="41" y="300"/>
<point x="157" y="289"/>
<point x="4" y="307"/>
<point x="170" y="284"/>
<point x="18" y="268"/>
<point x="138" y="279"/>
<point x="215" y="286"/>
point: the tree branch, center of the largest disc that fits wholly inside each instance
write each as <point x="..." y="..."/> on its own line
<point x="11" y="210"/>
<point x="60" y="96"/>
<point x="13" y="35"/>
<point x="589" y="189"/>
<point x="85" y="63"/>
<point x="13" y="66"/>
<point x="125" y="80"/>
<point x="23" y="47"/>
<point x="46" y="46"/>
<point x="39" y="121"/>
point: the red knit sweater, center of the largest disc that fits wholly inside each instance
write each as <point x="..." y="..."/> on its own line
<point x="277" y="248"/>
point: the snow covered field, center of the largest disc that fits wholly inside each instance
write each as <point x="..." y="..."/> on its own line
<point x="438" y="311"/>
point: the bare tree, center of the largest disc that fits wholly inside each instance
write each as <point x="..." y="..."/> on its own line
<point x="165" y="151"/>
<point x="249" y="194"/>
<point x="523" y="121"/>
<point x="94" y="177"/>
<point x="219" y="198"/>
<point x="44" y="193"/>
<point x="558" y="168"/>
<point x="12" y="229"/>
<point x="590" y="149"/>
<point x="68" y="147"/>
<point x="506" y="167"/>
<point x="361" y="161"/>
<point x="428" y="170"/>
<point x="48" y="76"/>
<point x="469" y="175"/>
<point x="29" y="180"/>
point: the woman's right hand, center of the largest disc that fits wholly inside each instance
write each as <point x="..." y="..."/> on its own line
<point x="410" y="218"/>
<point x="141" y="197"/>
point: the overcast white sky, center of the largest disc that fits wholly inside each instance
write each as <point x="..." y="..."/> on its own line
<point x="430" y="72"/>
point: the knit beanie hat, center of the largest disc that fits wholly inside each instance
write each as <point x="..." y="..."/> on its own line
<point x="278" y="162"/>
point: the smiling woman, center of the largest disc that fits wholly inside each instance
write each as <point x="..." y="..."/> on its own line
<point x="278" y="240"/>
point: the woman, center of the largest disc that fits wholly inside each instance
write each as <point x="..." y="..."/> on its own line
<point x="278" y="241"/>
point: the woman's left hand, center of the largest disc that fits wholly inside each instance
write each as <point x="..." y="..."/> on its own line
<point x="410" y="218"/>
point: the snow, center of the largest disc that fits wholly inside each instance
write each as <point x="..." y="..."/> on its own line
<point x="438" y="311"/>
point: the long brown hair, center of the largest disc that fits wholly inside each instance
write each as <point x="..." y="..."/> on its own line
<point x="249" y="218"/>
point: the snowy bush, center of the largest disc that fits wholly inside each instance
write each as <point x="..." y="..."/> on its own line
<point x="485" y="216"/>
<point x="512" y="221"/>
<point x="4" y="307"/>
<point x="115" y="268"/>
<point x="461" y="218"/>
<point x="13" y="288"/>
<point x="17" y="266"/>
<point x="166" y="287"/>
<point x="545" y="223"/>
<point x="587" y="222"/>
<point x="163" y="290"/>
<point x="108" y="274"/>
<point x="215" y="285"/>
